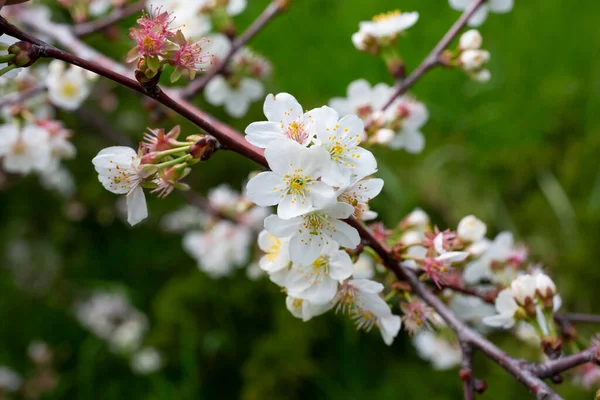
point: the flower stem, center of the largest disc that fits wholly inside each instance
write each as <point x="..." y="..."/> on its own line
<point x="169" y="152"/>
<point x="7" y="69"/>
<point x="176" y="161"/>
<point x="6" y="58"/>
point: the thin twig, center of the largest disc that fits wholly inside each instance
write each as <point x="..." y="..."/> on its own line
<point x="433" y="57"/>
<point x="466" y="371"/>
<point x="579" y="317"/>
<point x="263" y="19"/>
<point x="22" y="96"/>
<point x="555" y="367"/>
<point x="88" y="28"/>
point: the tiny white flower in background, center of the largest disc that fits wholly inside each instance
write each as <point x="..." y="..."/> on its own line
<point x="304" y="310"/>
<point x="10" y="381"/>
<point x="412" y="115"/>
<point x="119" y="172"/>
<point x="417" y="219"/>
<point x="317" y="282"/>
<point x="473" y="60"/>
<point x="470" y="40"/>
<point x="364" y="267"/>
<point x="292" y="183"/>
<point x="340" y="138"/>
<point x="235" y="97"/>
<point x="128" y="335"/>
<point x="388" y="24"/>
<point x="440" y="352"/>
<point x="285" y="119"/>
<point x="24" y="150"/>
<point x="362" y="99"/>
<point x="310" y="233"/>
<point x="99" y="7"/>
<point x="68" y="86"/>
<point x="361" y="299"/>
<point x="223" y="197"/>
<point x="219" y="46"/>
<point x="471" y="229"/>
<point x="482" y="75"/>
<point x="187" y="218"/>
<point x="384" y="136"/>
<point x="499" y="250"/>
<point x="496" y="6"/>
<point x="276" y="252"/>
<point x="219" y="250"/>
<point x="146" y="361"/>
<point x="59" y="179"/>
<point x="471" y="309"/>
<point x="506" y="306"/>
<point x="523" y="288"/>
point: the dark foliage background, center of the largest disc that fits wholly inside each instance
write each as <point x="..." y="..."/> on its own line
<point x="520" y="152"/>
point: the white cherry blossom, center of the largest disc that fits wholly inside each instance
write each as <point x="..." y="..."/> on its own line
<point x="362" y="99"/>
<point x="285" y="119"/>
<point x="293" y="183"/>
<point x="495" y="6"/>
<point x="440" y="352"/>
<point x="340" y="138"/>
<point x="276" y="252"/>
<point x="358" y="194"/>
<point x="471" y="229"/>
<point x="499" y="250"/>
<point x="470" y="40"/>
<point x="388" y="24"/>
<point x="361" y="299"/>
<point x="544" y="285"/>
<point x="236" y="97"/>
<point x="310" y="233"/>
<point x="68" y="86"/>
<point x="317" y="282"/>
<point x="506" y="306"/>
<point x="24" y="150"/>
<point x="304" y="310"/>
<point x="364" y="267"/>
<point x="120" y="172"/>
<point x="523" y="288"/>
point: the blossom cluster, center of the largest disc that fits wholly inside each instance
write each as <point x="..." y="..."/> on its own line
<point x="470" y="57"/>
<point x="319" y="177"/>
<point x="159" y="44"/>
<point x="40" y="379"/>
<point x="398" y="127"/>
<point x="111" y="317"/>
<point x="160" y="163"/>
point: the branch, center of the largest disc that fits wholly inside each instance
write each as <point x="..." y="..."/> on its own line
<point x="272" y="10"/>
<point x="433" y="58"/>
<point x="20" y="97"/>
<point x="87" y="28"/>
<point x="555" y="367"/>
<point x="466" y="371"/>
<point x="579" y="317"/>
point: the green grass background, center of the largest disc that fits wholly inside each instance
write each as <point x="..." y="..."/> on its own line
<point x="520" y="152"/>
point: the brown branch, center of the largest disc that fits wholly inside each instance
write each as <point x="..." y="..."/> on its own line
<point x="272" y="10"/>
<point x="88" y="28"/>
<point x="433" y="57"/>
<point x="555" y="367"/>
<point x="20" y="97"/>
<point x="466" y="371"/>
<point x="579" y="317"/>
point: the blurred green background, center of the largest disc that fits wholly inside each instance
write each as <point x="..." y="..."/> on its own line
<point x="520" y="152"/>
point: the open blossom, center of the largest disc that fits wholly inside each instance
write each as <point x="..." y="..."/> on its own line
<point x="152" y="36"/>
<point x="285" y="119"/>
<point x="470" y="40"/>
<point x="189" y="57"/>
<point x="359" y="193"/>
<point x="276" y="252"/>
<point x="304" y="309"/>
<point x="498" y="251"/>
<point x="341" y="139"/>
<point x="24" y="150"/>
<point x="471" y="229"/>
<point x="361" y="299"/>
<point x="496" y="6"/>
<point x="120" y="172"/>
<point x="317" y="282"/>
<point x="386" y="25"/>
<point x="293" y="183"/>
<point x="405" y="117"/>
<point x="362" y="99"/>
<point x="439" y="351"/>
<point x="310" y="233"/>
<point x="219" y="250"/>
<point x="506" y="306"/>
<point x="235" y="96"/>
<point x="68" y="86"/>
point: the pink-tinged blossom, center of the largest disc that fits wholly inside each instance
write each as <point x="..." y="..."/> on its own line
<point x="152" y="36"/>
<point x="157" y="140"/>
<point x="188" y="57"/>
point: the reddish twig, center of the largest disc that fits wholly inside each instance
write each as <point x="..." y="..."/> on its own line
<point x="88" y="28"/>
<point x="466" y="371"/>
<point x="272" y="10"/>
<point x="555" y="367"/>
<point x="579" y="317"/>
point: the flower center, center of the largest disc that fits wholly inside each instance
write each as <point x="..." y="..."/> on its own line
<point x="19" y="147"/>
<point x="386" y="16"/>
<point x="297" y="303"/>
<point x="68" y="89"/>
<point x="297" y="182"/>
<point x="314" y="223"/>
<point x="273" y="250"/>
<point x="296" y="132"/>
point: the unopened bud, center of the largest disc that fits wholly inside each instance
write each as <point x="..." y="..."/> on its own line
<point x="25" y="54"/>
<point x="557" y="379"/>
<point x="465" y="374"/>
<point x="204" y="148"/>
<point x="395" y="67"/>
<point x="479" y="386"/>
<point x="147" y="77"/>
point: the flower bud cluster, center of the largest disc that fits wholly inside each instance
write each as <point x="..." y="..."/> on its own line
<point x="398" y="127"/>
<point x="160" y="164"/>
<point x="159" y="44"/>
<point x="470" y="57"/>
